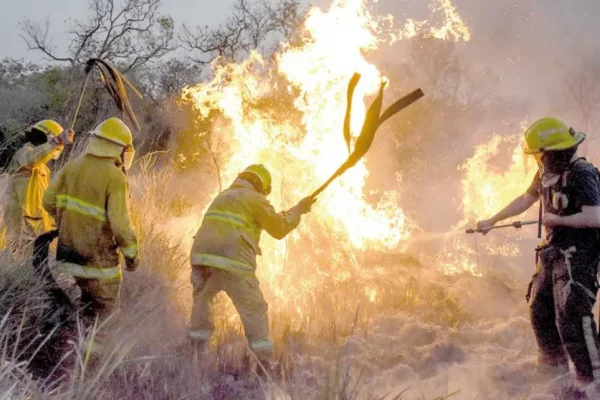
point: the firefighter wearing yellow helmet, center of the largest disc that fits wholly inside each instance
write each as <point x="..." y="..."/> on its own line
<point x="564" y="287"/>
<point x="25" y="217"/>
<point x="89" y="199"/>
<point x="224" y="256"/>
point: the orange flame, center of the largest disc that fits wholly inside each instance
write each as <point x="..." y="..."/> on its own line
<point x="302" y="142"/>
<point x="497" y="173"/>
<point x="453" y="26"/>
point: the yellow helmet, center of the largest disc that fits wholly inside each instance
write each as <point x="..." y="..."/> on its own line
<point x="49" y="127"/>
<point x="262" y="174"/>
<point x="114" y="130"/>
<point x="551" y="134"/>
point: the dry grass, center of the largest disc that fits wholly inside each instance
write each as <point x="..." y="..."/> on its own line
<point x="148" y="353"/>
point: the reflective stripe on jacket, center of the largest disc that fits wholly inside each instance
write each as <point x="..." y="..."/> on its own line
<point x="79" y="271"/>
<point x="230" y="232"/>
<point x="90" y="200"/>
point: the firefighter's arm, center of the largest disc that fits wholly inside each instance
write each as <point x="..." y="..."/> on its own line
<point x="32" y="156"/>
<point x="276" y="224"/>
<point x="516" y="207"/>
<point x="120" y="223"/>
<point x="589" y="217"/>
<point x="50" y="195"/>
<point x="279" y="225"/>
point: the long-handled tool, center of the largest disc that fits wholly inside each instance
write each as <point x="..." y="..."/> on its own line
<point x="114" y="82"/>
<point x="516" y="224"/>
<point x="373" y="120"/>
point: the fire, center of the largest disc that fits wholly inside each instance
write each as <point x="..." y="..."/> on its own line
<point x="453" y="26"/>
<point x="497" y="173"/>
<point x="487" y="190"/>
<point x="301" y="143"/>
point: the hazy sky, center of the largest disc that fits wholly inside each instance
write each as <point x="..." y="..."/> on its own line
<point x="191" y="12"/>
<point x="552" y="20"/>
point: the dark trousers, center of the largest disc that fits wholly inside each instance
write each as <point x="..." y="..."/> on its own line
<point x="98" y="297"/>
<point x="564" y="293"/>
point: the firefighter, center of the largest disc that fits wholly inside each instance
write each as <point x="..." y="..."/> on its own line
<point x="25" y="217"/>
<point x="224" y="256"/>
<point x="564" y="286"/>
<point x="89" y="199"/>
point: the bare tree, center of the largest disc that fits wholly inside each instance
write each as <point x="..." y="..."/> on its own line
<point x="251" y="25"/>
<point x="130" y="33"/>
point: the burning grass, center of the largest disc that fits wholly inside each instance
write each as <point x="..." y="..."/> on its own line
<point x="392" y="328"/>
<point x="149" y="355"/>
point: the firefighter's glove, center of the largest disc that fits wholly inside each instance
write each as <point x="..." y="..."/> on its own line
<point x="305" y="205"/>
<point x="131" y="264"/>
<point x="65" y="137"/>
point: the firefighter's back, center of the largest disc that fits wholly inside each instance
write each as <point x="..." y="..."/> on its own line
<point x="85" y="236"/>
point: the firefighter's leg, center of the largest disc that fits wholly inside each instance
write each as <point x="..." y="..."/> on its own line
<point x="250" y="304"/>
<point x="206" y="285"/>
<point x="551" y="354"/>
<point x="575" y="291"/>
<point x="100" y="300"/>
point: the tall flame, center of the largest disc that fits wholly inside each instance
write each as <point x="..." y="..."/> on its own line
<point x="288" y="114"/>
<point x="497" y="173"/>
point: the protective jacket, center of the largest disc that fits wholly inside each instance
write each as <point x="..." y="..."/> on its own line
<point x="229" y="236"/>
<point x="577" y="187"/>
<point x="90" y="200"/>
<point x="24" y="214"/>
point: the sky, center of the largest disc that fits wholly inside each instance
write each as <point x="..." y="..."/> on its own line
<point x="555" y="20"/>
<point x="192" y="12"/>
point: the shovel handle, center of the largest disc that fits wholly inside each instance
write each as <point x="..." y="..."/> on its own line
<point x="85" y="83"/>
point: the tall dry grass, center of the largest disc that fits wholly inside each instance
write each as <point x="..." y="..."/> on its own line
<point x="148" y="355"/>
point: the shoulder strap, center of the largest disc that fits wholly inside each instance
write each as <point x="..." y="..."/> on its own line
<point x="564" y="179"/>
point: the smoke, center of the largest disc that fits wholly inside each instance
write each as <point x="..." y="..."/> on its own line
<point x="519" y="65"/>
<point x="510" y="71"/>
<point x="525" y="60"/>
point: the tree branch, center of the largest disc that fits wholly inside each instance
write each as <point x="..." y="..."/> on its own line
<point x="252" y="23"/>
<point x="131" y="32"/>
<point x="36" y="38"/>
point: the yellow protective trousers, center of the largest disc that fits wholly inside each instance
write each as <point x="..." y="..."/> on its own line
<point x="247" y="298"/>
